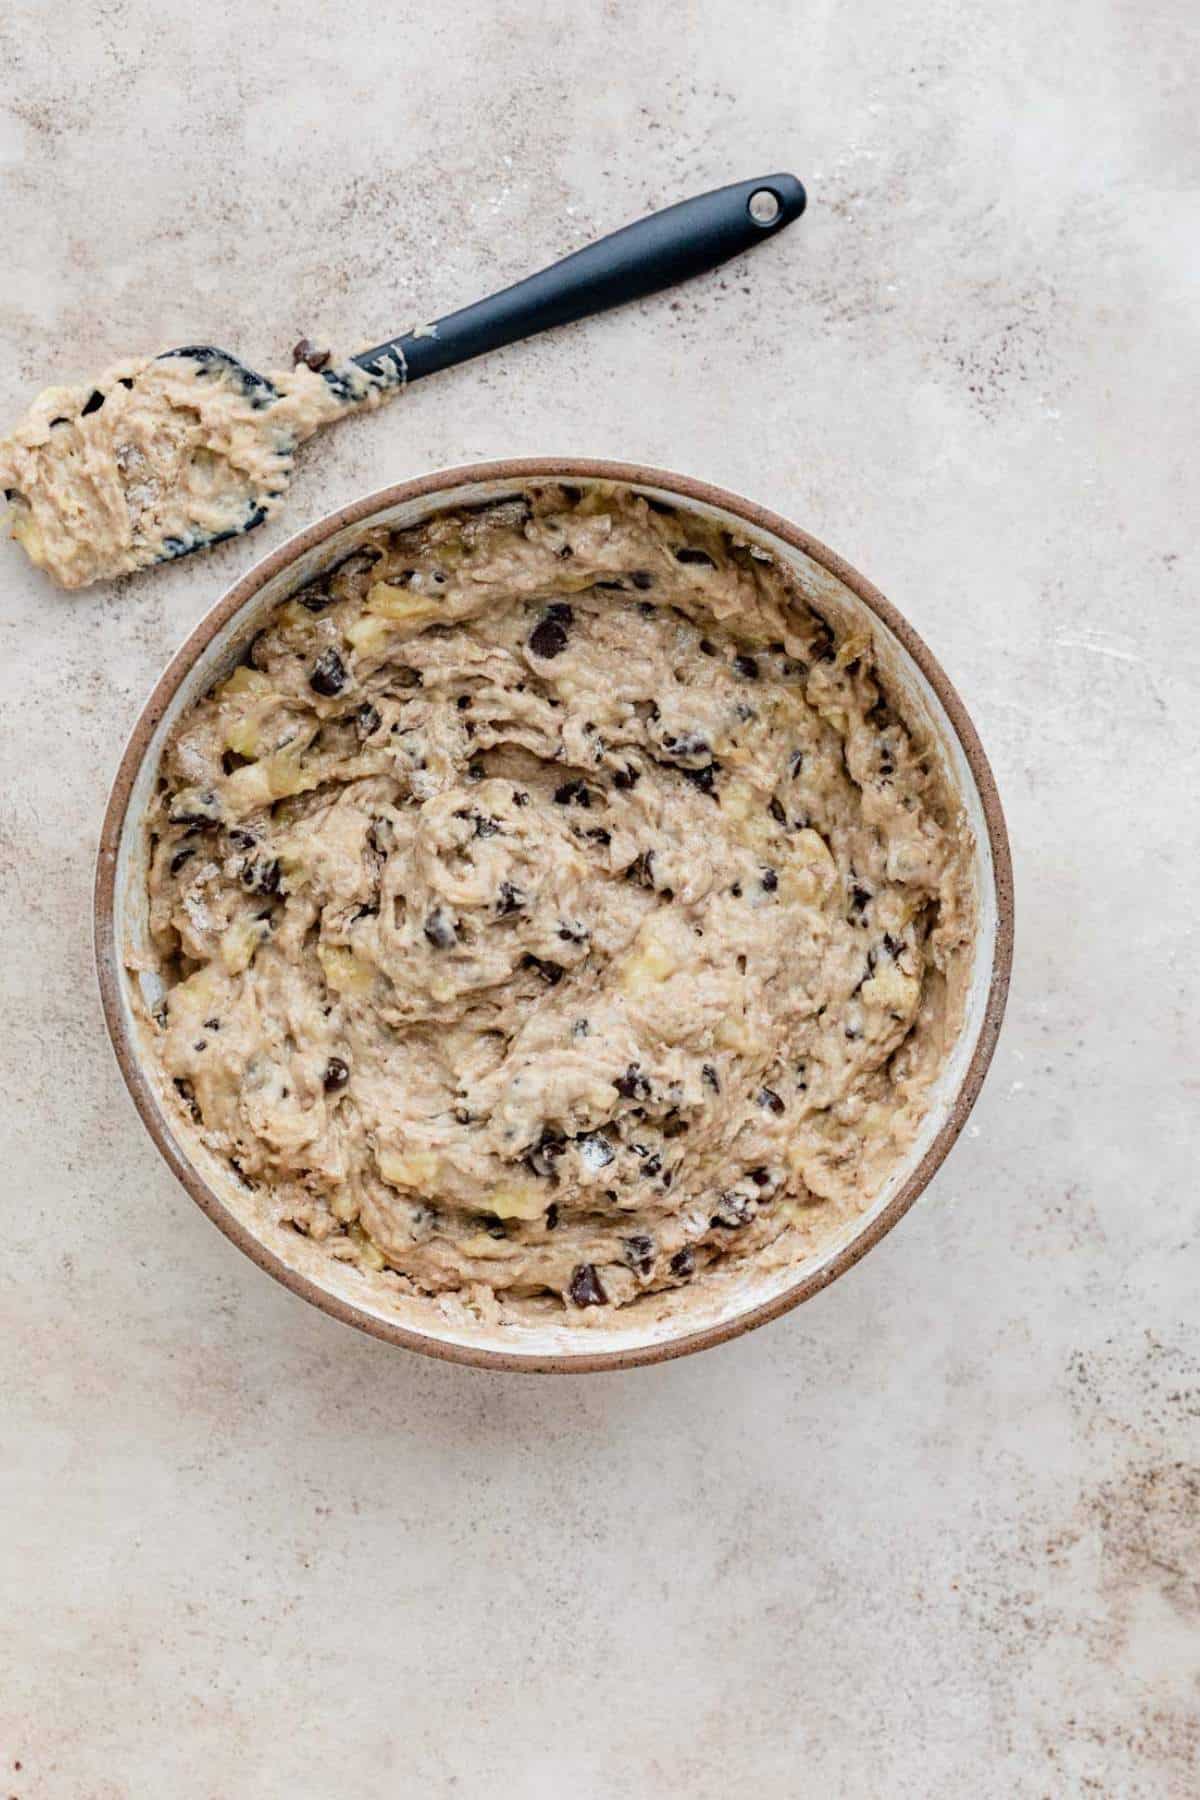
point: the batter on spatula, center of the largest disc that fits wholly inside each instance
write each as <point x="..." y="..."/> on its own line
<point x="162" y="456"/>
<point x="552" y="908"/>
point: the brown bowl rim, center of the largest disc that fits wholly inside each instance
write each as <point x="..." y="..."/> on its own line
<point x="520" y="470"/>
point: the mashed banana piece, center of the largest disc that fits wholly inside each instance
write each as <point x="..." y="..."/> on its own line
<point x="159" y="457"/>
<point x="551" y="906"/>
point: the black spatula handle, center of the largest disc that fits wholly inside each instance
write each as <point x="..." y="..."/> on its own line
<point x="641" y="259"/>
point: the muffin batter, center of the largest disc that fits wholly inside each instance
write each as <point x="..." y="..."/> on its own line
<point x="551" y="907"/>
<point x="160" y="457"/>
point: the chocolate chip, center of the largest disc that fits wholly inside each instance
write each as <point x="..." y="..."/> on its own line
<point x="746" y="667"/>
<point x="329" y="674"/>
<point x="125" y="381"/>
<point x="261" y="874"/>
<point x="242" y="840"/>
<point x="337" y="1074"/>
<point x="306" y="352"/>
<point x="548" y="638"/>
<point x="485" y="825"/>
<point x="633" y="1085"/>
<point x="795" y="763"/>
<point x="495" y="1227"/>
<point x="641" y="869"/>
<point x="701" y="558"/>
<point x="704" y="778"/>
<point x="179" y="858"/>
<point x="599" y="835"/>
<point x="709" y="1074"/>
<point x="184" y="1090"/>
<point x="860" y="899"/>
<point x="708" y="647"/>
<point x="768" y="1098"/>
<point x="595" y="1150"/>
<point x="686" y="743"/>
<point x="638" y="1252"/>
<point x="822" y="648"/>
<point x="652" y="1166"/>
<point x="212" y="1024"/>
<point x="733" y="1210"/>
<point x="760" y="1177"/>
<point x="573" y="933"/>
<point x="573" y="793"/>
<point x="93" y="403"/>
<point x="552" y="1216"/>
<point x="367" y="720"/>
<point x="520" y="797"/>
<point x="550" y="972"/>
<point x="683" y="1263"/>
<point x="585" y="1288"/>
<point x="509" y="899"/>
<point x="195" y="809"/>
<point x="769" y="880"/>
<point x="542" y="1156"/>
<point x="475" y="771"/>
<point x="561" y="612"/>
<point x="892" y="946"/>
<point x="463" y="701"/>
<point x="776" y="810"/>
<point x="642" y="578"/>
<point x="626" y="778"/>
<point x="316" y="597"/>
<point x="440" y="929"/>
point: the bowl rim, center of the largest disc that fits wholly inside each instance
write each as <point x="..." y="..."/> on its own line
<point x="108" y="950"/>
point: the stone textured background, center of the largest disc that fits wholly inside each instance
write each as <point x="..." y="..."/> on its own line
<point x="936" y="1534"/>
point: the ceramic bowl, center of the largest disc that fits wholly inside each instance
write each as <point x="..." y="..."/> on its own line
<point x="724" y="1302"/>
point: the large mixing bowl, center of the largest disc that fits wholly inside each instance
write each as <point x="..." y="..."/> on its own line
<point x="726" y="1301"/>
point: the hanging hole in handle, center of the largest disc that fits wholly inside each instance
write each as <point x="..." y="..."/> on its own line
<point x="763" y="206"/>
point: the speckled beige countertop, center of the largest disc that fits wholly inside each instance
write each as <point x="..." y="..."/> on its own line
<point x="936" y="1534"/>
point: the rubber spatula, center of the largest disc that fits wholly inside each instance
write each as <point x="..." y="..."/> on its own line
<point x="641" y="259"/>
